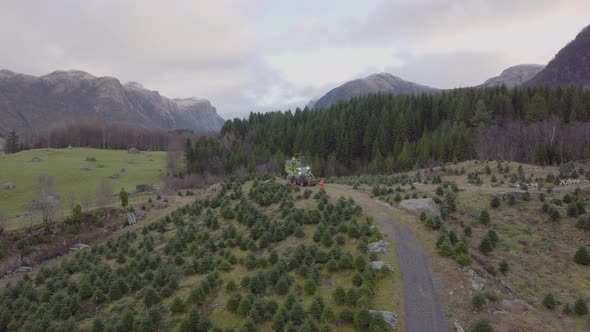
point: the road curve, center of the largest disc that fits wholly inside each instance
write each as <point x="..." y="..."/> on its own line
<point x="423" y="312"/>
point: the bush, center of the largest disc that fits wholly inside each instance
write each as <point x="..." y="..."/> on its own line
<point x="467" y="231"/>
<point x="339" y="295"/>
<point x="362" y="317"/>
<point x="483" y="325"/>
<point x="495" y="202"/>
<point x="554" y="213"/>
<point x="581" y="257"/>
<point x="486" y="246"/>
<point x="549" y="301"/>
<point x="580" y="307"/>
<point x="177" y="306"/>
<point x="478" y="301"/>
<point x="572" y="210"/>
<point x="463" y="259"/>
<point x="511" y="200"/>
<point x="484" y="217"/>
<point x="504" y="267"/>
<point x="346" y="316"/>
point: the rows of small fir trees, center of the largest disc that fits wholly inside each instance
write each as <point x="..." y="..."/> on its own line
<point x="137" y="281"/>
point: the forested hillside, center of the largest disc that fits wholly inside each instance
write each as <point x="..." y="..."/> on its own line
<point x="385" y="133"/>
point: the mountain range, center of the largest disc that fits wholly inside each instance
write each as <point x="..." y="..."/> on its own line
<point x="376" y="83"/>
<point x="29" y="103"/>
<point x="513" y="76"/>
<point x="571" y="66"/>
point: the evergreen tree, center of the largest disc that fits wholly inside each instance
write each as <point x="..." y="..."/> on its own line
<point x="581" y="257"/>
<point x="124" y="197"/>
<point x="580" y="307"/>
<point x="11" y="144"/>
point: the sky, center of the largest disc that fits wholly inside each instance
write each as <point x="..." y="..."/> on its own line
<point x="265" y="55"/>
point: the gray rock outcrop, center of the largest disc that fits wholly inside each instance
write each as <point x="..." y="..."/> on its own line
<point x="419" y="205"/>
<point x="378" y="265"/>
<point x="377" y="247"/>
<point x="389" y="317"/>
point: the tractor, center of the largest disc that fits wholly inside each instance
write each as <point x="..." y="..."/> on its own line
<point x="298" y="173"/>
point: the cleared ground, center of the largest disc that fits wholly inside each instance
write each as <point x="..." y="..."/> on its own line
<point x="72" y="182"/>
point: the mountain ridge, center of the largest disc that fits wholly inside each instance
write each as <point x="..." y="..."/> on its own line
<point x="29" y="103"/>
<point x="514" y="75"/>
<point x="374" y="83"/>
<point x="570" y="66"/>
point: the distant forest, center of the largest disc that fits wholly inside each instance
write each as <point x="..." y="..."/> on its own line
<point x="387" y="133"/>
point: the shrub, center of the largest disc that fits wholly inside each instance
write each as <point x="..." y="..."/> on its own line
<point x="486" y="246"/>
<point x="346" y="316"/>
<point x="309" y="287"/>
<point x="495" y="202"/>
<point x="572" y="210"/>
<point x="504" y="267"/>
<point x="549" y="301"/>
<point x="339" y="295"/>
<point x="478" y="301"/>
<point x="362" y="317"/>
<point x="580" y="307"/>
<point x="150" y="297"/>
<point x="463" y="259"/>
<point x="177" y="306"/>
<point x="483" y="325"/>
<point x="484" y="217"/>
<point x="511" y="200"/>
<point x="493" y="236"/>
<point x="581" y="257"/>
<point x="467" y="231"/>
<point x="554" y="213"/>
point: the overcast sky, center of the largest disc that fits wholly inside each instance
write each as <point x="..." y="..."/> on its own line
<point x="261" y="55"/>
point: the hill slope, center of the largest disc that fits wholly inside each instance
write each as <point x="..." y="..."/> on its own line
<point x="571" y="66"/>
<point x="376" y="83"/>
<point x="29" y="103"/>
<point x="513" y="76"/>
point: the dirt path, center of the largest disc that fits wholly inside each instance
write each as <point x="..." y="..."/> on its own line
<point x="423" y="311"/>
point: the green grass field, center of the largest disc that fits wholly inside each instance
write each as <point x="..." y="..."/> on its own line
<point x="73" y="184"/>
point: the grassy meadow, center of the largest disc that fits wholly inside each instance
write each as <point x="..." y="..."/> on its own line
<point x="71" y="181"/>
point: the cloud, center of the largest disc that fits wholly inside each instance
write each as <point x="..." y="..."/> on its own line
<point x="263" y="55"/>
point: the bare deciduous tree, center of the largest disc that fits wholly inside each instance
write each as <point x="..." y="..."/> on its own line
<point x="104" y="193"/>
<point x="46" y="200"/>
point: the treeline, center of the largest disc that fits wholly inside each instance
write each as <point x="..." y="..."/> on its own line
<point x="102" y="135"/>
<point x="386" y="133"/>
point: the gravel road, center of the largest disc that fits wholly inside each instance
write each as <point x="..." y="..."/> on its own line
<point x="423" y="311"/>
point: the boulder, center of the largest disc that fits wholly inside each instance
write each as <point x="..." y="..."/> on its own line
<point x="144" y="188"/>
<point x="90" y="158"/>
<point x="123" y="170"/>
<point x="24" y="269"/>
<point x="477" y="282"/>
<point x="419" y="205"/>
<point x="133" y="151"/>
<point x="458" y="327"/>
<point x="378" y="265"/>
<point x="100" y="166"/>
<point x="23" y="214"/>
<point x="8" y="185"/>
<point x="115" y="176"/>
<point x="79" y="246"/>
<point x="377" y="247"/>
<point x="70" y="147"/>
<point x="36" y="160"/>
<point x="86" y="168"/>
<point x="389" y="317"/>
